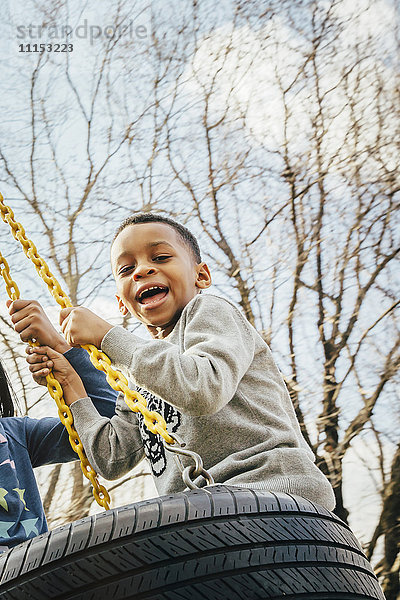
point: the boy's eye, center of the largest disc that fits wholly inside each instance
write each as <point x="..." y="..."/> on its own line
<point x="161" y="257"/>
<point x="125" y="270"/>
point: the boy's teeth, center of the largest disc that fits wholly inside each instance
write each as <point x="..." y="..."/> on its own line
<point x="154" y="298"/>
<point x="147" y="290"/>
<point x="152" y="294"/>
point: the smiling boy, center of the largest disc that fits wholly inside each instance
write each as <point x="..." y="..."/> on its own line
<point x="206" y="370"/>
<point x="157" y="273"/>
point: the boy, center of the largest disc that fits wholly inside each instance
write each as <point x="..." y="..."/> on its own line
<point x="206" y="370"/>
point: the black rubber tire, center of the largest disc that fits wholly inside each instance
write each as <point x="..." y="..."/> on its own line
<point x="225" y="543"/>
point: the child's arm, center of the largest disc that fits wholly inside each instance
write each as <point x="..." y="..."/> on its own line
<point x="47" y="439"/>
<point x="72" y="385"/>
<point x="31" y="321"/>
<point x="218" y="350"/>
<point x="94" y="381"/>
<point x="113" y="446"/>
<point x="81" y="326"/>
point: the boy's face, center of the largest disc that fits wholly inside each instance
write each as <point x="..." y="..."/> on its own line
<point x="153" y="255"/>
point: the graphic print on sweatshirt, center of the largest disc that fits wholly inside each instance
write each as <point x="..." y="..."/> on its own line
<point x="153" y="446"/>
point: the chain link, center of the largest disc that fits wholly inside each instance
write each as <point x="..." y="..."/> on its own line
<point x="11" y="286"/>
<point x="191" y="472"/>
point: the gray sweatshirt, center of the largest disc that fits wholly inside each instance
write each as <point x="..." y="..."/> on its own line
<point x="215" y="382"/>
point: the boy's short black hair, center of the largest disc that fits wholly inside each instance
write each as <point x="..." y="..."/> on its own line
<point x="182" y="231"/>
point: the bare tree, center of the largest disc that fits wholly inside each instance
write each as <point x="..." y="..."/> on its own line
<point x="272" y="131"/>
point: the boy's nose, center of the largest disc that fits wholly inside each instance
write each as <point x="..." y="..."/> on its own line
<point x="143" y="271"/>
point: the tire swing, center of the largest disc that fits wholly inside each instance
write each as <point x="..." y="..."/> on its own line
<point x="215" y="543"/>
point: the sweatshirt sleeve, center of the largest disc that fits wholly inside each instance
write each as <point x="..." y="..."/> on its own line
<point x="94" y="381"/>
<point x="218" y="347"/>
<point x="47" y="439"/>
<point x="113" y="446"/>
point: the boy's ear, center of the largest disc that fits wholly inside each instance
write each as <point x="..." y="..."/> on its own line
<point x="203" y="278"/>
<point x="122" y="308"/>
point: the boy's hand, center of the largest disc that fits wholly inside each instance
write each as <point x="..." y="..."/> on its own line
<point x="81" y="326"/>
<point x="71" y="383"/>
<point x="38" y="365"/>
<point x="30" y="321"/>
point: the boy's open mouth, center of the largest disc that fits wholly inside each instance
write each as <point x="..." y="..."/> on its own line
<point x="152" y="294"/>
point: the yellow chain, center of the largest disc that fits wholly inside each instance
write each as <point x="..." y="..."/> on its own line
<point x="11" y="286"/>
<point x="136" y="402"/>
<point x="99" y="491"/>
